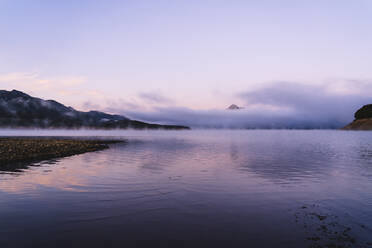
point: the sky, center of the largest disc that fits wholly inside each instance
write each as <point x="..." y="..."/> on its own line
<point x="148" y="59"/>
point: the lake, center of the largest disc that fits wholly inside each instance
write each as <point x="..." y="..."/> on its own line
<point x="199" y="188"/>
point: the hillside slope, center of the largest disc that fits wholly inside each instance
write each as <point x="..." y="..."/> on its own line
<point x="363" y="119"/>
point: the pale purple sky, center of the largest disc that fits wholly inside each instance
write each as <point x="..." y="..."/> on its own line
<point x="195" y="54"/>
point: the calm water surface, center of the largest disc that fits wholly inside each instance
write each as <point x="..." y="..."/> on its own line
<point x="195" y="189"/>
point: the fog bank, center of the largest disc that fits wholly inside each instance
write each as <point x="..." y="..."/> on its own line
<point x="275" y="105"/>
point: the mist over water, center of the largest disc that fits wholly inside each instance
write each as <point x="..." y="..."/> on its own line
<point x="201" y="188"/>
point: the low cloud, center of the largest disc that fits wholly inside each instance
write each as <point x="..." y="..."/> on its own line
<point x="155" y="98"/>
<point x="275" y="105"/>
<point x="35" y="82"/>
<point x="138" y="102"/>
<point x="57" y="88"/>
<point x="332" y="101"/>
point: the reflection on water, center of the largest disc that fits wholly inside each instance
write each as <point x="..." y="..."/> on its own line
<point x="194" y="188"/>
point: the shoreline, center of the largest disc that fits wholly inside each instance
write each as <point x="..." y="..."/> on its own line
<point x="15" y="152"/>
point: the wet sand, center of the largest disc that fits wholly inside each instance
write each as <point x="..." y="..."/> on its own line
<point x="15" y="152"/>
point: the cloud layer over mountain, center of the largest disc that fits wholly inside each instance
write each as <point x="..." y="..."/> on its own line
<point x="276" y="105"/>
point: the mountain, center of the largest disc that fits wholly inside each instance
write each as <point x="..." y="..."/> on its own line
<point x="363" y="119"/>
<point x="18" y="109"/>
<point x="234" y="107"/>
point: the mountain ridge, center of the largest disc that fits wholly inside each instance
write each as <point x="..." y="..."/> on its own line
<point x="20" y="110"/>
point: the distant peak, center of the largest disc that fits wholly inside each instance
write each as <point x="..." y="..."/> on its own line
<point x="234" y="107"/>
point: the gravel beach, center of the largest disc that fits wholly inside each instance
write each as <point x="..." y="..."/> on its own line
<point x="14" y="151"/>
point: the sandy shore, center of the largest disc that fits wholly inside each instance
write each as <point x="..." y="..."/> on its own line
<point x="15" y="151"/>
